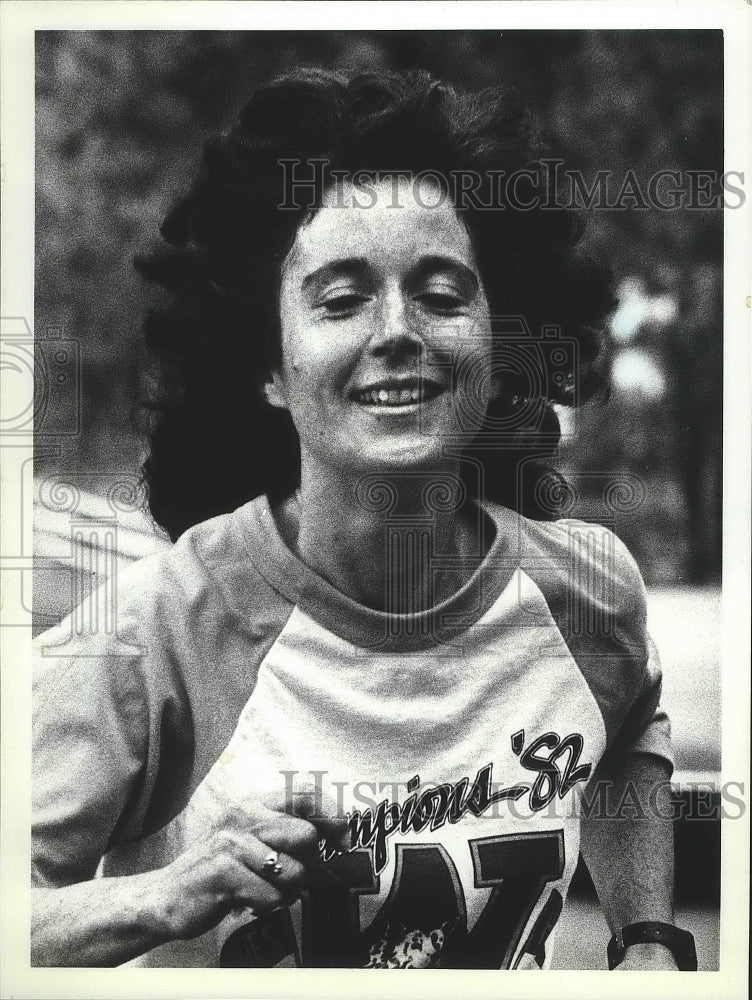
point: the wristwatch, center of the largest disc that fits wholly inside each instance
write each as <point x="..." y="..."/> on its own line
<point x="680" y="943"/>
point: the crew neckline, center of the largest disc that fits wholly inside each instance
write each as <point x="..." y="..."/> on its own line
<point x="368" y="627"/>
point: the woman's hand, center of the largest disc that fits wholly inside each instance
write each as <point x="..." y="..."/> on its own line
<point x="109" y="921"/>
<point x="256" y="855"/>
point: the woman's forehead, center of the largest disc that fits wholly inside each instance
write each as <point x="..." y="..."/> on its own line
<point x="395" y="220"/>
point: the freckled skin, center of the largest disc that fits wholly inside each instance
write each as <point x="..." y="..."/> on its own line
<point x="391" y="331"/>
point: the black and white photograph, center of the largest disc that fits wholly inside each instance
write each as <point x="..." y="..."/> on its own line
<point x="375" y="447"/>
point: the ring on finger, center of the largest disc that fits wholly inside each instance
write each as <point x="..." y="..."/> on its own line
<point x="271" y="863"/>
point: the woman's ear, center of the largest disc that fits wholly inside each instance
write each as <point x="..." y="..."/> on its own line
<point x="274" y="391"/>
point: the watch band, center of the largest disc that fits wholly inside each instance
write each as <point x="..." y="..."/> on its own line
<point x="679" y="942"/>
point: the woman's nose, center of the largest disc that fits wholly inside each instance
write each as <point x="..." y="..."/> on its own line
<point x="395" y="327"/>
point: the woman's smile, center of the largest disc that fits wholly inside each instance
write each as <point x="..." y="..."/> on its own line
<point x="404" y="394"/>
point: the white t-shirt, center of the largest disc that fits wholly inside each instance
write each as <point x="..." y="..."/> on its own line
<point x="457" y="739"/>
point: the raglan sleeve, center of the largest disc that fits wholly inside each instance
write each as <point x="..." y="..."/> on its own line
<point x="595" y="594"/>
<point x="102" y="731"/>
<point x="646" y="728"/>
<point x="89" y="748"/>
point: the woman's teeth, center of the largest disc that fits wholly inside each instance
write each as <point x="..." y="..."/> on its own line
<point x="389" y="397"/>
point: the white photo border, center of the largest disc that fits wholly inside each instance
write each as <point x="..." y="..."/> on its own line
<point x="18" y="21"/>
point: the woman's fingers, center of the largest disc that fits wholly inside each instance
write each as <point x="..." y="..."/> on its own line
<point x="308" y="804"/>
<point x="258" y="855"/>
<point x="247" y="871"/>
<point x="295" y="837"/>
<point x="254" y="858"/>
<point x="334" y="830"/>
<point x="270" y="863"/>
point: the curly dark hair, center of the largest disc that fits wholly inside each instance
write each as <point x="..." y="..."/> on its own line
<point x="214" y="442"/>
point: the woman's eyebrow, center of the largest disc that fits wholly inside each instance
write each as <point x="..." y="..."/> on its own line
<point x="429" y="266"/>
<point x="347" y="267"/>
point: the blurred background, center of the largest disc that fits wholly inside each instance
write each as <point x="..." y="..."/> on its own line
<point x="121" y="118"/>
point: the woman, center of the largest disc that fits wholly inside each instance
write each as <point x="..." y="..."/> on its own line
<point x="347" y="716"/>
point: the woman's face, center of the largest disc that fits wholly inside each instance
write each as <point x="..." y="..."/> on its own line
<point x="386" y="343"/>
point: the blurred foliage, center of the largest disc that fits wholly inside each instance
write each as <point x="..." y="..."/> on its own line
<point x="121" y="118"/>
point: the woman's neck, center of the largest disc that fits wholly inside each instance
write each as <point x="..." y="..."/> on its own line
<point x="395" y="543"/>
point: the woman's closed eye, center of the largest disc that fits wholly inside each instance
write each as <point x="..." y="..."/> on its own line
<point x="343" y="303"/>
<point x="441" y="300"/>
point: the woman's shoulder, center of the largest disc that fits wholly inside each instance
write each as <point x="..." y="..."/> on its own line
<point x="587" y="560"/>
<point x="166" y="596"/>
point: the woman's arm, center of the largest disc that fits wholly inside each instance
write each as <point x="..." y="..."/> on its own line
<point x="100" y="923"/>
<point x="630" y="851"/>
<point x="108" y="921"/>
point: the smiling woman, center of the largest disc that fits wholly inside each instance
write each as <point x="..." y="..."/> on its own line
<point x="364" y="586"/>
<point x="228" y="240"/>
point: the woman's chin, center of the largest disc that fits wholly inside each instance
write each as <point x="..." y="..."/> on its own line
<point x="420" y="454"/>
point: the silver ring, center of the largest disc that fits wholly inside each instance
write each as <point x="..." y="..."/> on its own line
<point x="271" y="862"/>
